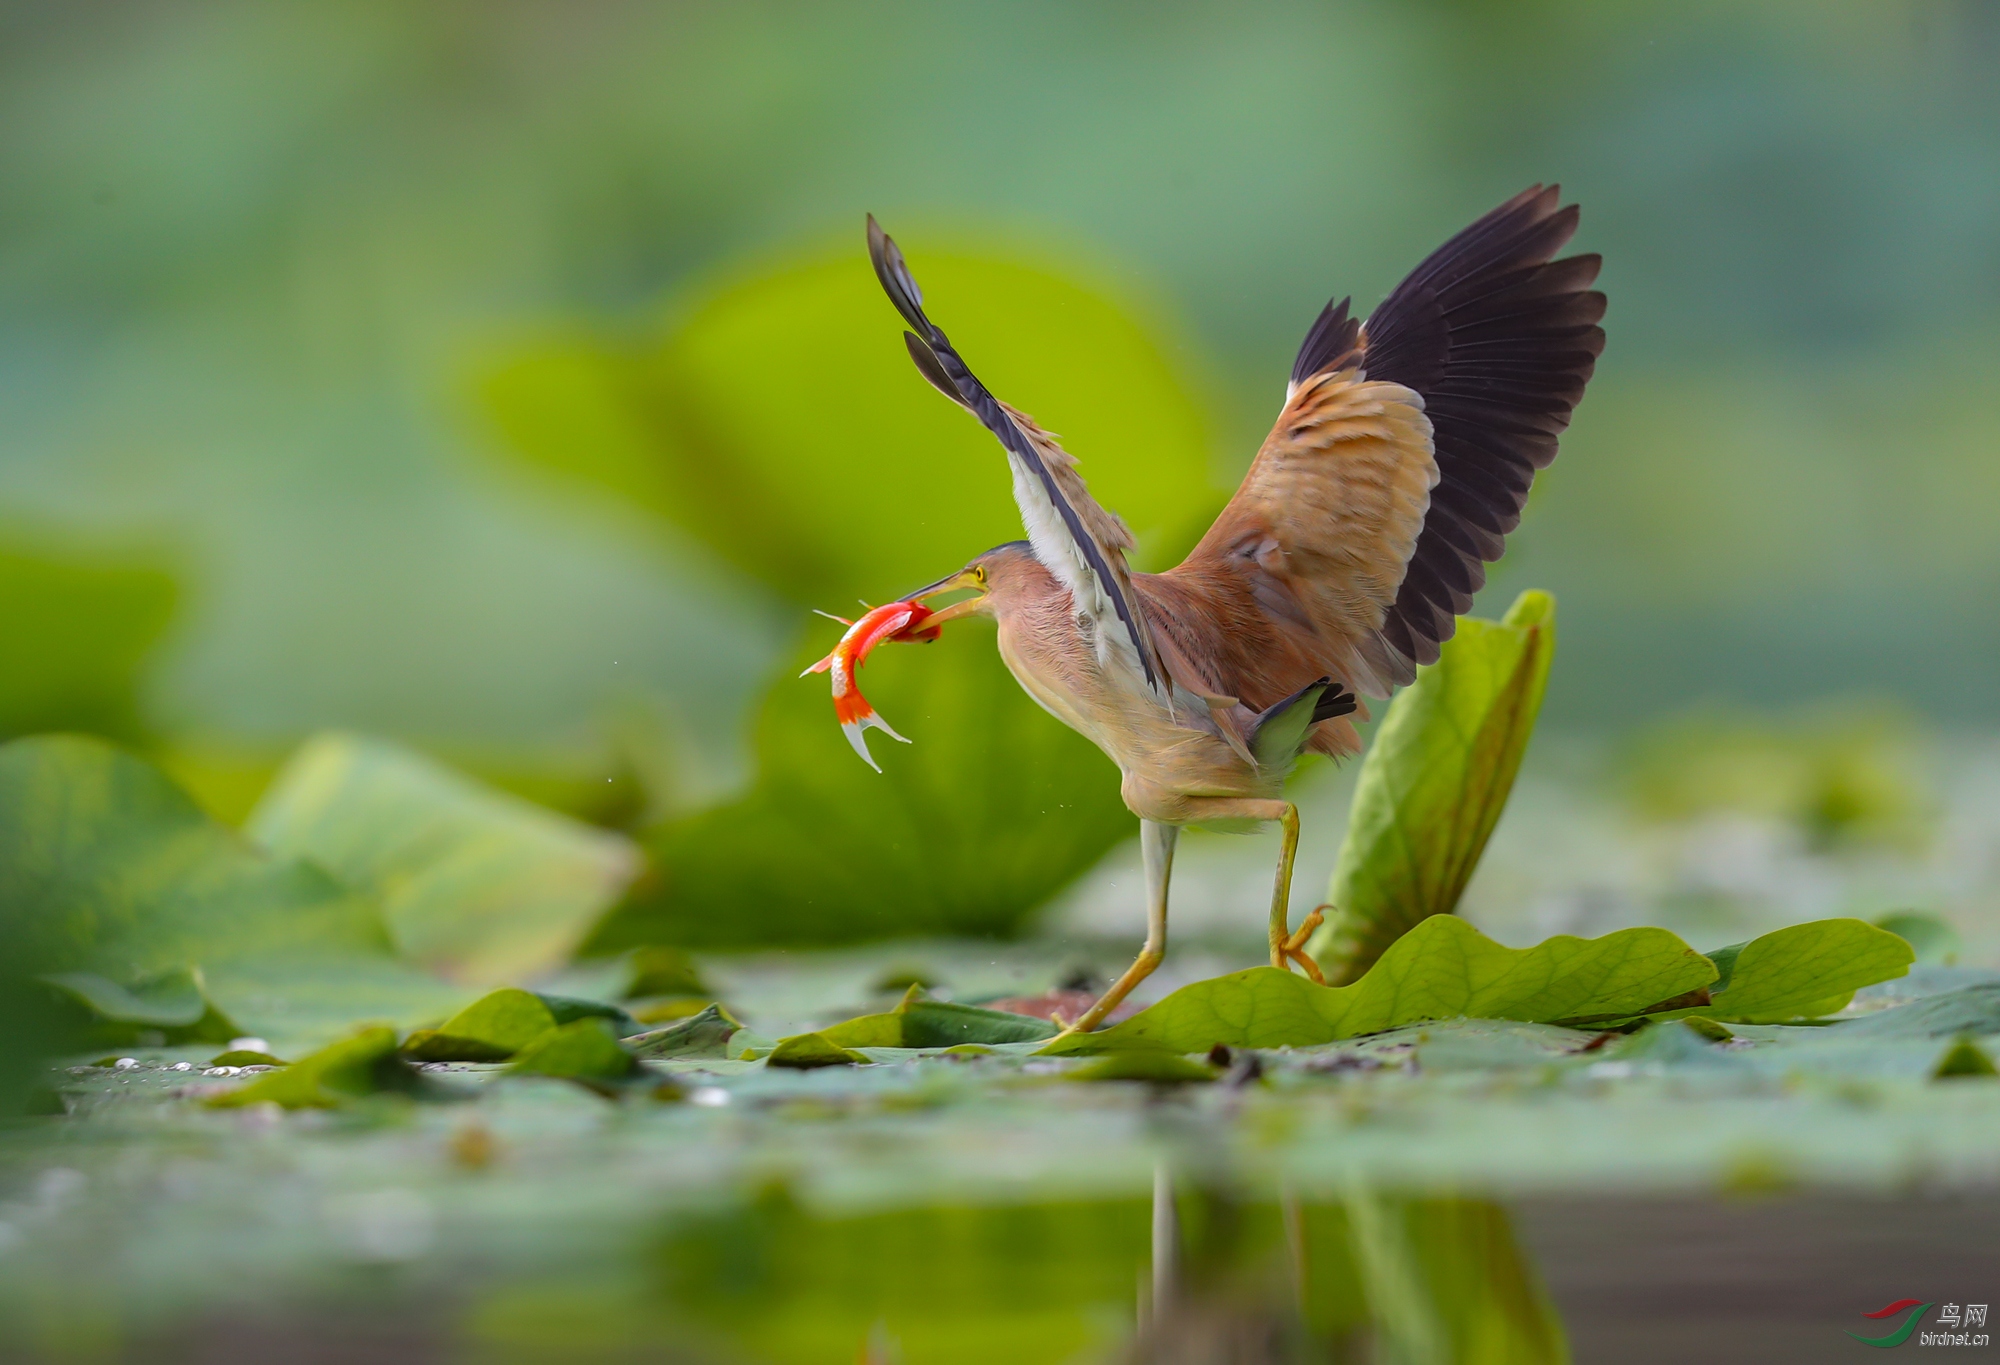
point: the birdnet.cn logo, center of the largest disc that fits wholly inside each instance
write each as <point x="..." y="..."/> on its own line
<point x="1955" y="1325"/>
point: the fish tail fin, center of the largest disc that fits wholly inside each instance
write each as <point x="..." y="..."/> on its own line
<point x="856" y="718"/>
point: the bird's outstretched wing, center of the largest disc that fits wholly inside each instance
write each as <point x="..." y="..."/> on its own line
<point x="1396" y="469"/>
<point x="1081" y="543"/>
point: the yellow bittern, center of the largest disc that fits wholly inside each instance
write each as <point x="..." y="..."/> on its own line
<point x="1397" y="467"/>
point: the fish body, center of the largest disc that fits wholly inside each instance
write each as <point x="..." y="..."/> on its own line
<point x="891" y="621"/>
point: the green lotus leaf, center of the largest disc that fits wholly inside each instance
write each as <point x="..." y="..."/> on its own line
<point x="479" y="886"/>
<point x="991" y="809"/>
<point x="585" y="1051"/>
<point x="702" y="1036"/>
<point x="490" y="1029"/>
<point x="366" y="1064"/>
<point x="79" y="633"/>
<point x="809" y="1051"/>
<point x="657" y="970"/>
<point x="921" y="1022"/>
<point x="108" y="869"/>
<point x="172" y="999"/>
<point x="1441" y="969"/>
<point x="1804" y="970"/>
<point x="1930" y="938"/>
<point x="658" y="426"/>
<point x="1434" y="782"/>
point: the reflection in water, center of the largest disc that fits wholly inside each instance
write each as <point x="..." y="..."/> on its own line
<point x="1196" y="1276"/>
<point x="1415" y="1281"/>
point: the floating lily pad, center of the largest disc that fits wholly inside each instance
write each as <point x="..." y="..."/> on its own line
<point x="490" y="1029"/>
<point x="366" y="1064"/>
<point x="705" y="1035"/>
<point x="1973" y="1010"/>
<point x="1804" y="971"/>
<point x="920" y="1022"/>
<point x="585" y="1051"/>
<point x="1441" y="969"/>
<point x="809" y="1051"/>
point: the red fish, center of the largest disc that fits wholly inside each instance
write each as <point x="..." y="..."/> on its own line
<point x="891" y="621"/>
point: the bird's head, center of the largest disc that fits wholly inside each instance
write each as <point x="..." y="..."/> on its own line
<point x="996" y="578"/>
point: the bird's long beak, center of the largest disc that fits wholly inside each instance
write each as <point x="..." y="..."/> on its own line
<point x="969" y="606"/>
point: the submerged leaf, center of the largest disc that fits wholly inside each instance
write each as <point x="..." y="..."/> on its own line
<point x="108" y="868"/>
<point x="1161" y="1068"/>
<point x="1970" y="1009"/>
<point x="1433" y="784"/>
<point x="1441" y="969"/>
<point x="1964" y="1058"/>
<point x="476" y="884"/>
<point x="366" y="1064"/>
<point x="1669" y="1042"/>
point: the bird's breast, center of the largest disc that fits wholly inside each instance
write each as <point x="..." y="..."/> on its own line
<point x="1165" y="757"/>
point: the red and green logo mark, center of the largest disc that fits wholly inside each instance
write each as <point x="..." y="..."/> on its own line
<point x="1902" y="1333"/>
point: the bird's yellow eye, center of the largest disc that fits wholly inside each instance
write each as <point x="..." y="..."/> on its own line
<point x="979" y="573"/>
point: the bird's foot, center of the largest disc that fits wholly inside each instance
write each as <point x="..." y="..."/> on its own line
<point x="1294" y="946"/>
<point x="1069" y="1029"/>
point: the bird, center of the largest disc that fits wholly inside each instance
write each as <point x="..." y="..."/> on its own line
<point x="1397" y="467"/>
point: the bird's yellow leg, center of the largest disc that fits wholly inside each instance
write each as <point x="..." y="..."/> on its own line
<point x="1281" y="889"/>
<point x="1286" y="946"/>
<point x="1156" y="843"/>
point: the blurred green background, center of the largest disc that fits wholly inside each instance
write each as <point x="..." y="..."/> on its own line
<point x="507" y="379"/>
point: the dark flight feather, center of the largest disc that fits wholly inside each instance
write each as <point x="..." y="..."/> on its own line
<point x="1500" y="341"/>
<point x="1332" y="338"/>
